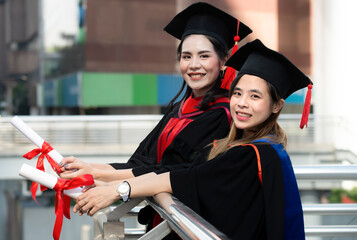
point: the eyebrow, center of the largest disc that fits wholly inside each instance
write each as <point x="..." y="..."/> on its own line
<point x="200" y="52"/>
<point x="252" y="90"/>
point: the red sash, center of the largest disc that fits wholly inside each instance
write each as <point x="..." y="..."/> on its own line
<point x="187" y="109"/>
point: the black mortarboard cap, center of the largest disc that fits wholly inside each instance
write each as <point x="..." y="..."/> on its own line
<point x="203" y="18"/>
<point x="256" y="59"/>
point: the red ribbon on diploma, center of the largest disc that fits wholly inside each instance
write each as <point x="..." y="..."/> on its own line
<point x="62" y="202"/>
<point x="46" y="148"/>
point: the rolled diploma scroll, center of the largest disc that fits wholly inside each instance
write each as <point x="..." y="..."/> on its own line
<point x="38" y="141"/>
<point x="45" y="179"/>
<point x="34" y="137"/>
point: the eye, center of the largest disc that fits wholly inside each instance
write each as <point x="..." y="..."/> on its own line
<point x="204" y="56"/>
<point x="185" y="56"/>
<point x="237" y="93"/>
<point x="256" y="96"/>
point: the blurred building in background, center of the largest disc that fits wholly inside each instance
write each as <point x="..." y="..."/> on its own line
<point x="113" y="57"/>
<point x="19" y="55"/>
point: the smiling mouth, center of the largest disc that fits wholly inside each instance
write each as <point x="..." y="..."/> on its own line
<point x="196" y="75"/>
<point x="245" y="115"/>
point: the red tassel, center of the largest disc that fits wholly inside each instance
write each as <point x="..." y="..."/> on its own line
<point x="230" y="72"/>
<point x="306" y="111"/>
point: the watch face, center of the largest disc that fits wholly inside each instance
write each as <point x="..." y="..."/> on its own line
<point x="123" y="188"/>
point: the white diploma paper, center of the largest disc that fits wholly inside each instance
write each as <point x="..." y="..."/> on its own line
<point x="45" y="179"/>
<point x="27" y="131"/>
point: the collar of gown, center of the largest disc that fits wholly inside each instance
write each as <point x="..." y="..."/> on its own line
<point x="191" y="104"/>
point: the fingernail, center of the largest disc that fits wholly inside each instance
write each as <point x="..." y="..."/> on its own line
<point x="60" y="164"/>
<point x="66" y="165"/>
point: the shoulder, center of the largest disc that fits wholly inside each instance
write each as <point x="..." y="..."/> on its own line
<point x="172" y="111"/>
<point x="221" y="106"/>
<point x="240" y="152"/>
<point x="266" y="147"/>
<point x="272" y="156"/>
<point x="220" y="102"/>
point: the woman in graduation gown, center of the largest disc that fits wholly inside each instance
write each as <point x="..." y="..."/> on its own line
<point x="247" y="189"/>
<point x="179" y="139"/>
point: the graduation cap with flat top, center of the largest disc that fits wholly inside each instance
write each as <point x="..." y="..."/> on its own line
<point x="256" y="59"/>
<point x="203" y="18"/>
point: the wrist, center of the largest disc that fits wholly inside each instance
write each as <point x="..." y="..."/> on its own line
<point x="124" y="190"/>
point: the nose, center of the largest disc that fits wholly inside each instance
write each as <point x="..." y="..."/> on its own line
<point x="195" y="63"/>
<point x="242" y="102"/>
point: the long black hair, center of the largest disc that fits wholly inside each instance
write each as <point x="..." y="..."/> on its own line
<point x="215" y="91"/>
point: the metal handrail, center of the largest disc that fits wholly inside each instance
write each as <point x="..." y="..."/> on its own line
<point x="329" y="172"/>
<point x="331" y="231"/>
<point x="185" y="218"/>
<point x="330" y="209"/>
<point x="176" y="217"/>
<point x="323" y="172"/>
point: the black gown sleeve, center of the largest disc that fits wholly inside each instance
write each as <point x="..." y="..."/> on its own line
<point x="146" y="153"/>
<point x="190" y="145"/>
<point x="227" y="192"/>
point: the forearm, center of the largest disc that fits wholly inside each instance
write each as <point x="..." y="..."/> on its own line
<point x="150" y="184"/>
<point x="101" y="166"/>
<point x="112" y="175"/>
<point x="104" y="195"/>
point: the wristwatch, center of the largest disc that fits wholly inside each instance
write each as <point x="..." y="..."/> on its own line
<point x="124" y="191"/>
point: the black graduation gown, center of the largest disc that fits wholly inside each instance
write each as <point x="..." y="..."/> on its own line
<point x="186" y="147"/>
<point x="227" y="192"/>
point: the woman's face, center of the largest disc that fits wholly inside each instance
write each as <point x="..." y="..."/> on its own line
<point x="251" y="103"/>
<point x="199" y="64"/>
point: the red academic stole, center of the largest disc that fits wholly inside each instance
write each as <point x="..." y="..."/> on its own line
<point x="187" y="109"/>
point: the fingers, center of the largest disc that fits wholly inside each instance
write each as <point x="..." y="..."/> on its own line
<point x="70" y="167"/>
<point x="69" y="175"/>
<point x="73" y="165"/>
<point x="81" y="206"/>
<point x="94" y="199"/>
<point x="92" y="211"/>
<point x="100" y="183"/>
<point x="67" y="163"/>
<point x="67" y="160"/>
<point x="86" y="188"/>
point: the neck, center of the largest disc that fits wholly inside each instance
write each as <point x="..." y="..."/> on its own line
<point x="247" y="133"/>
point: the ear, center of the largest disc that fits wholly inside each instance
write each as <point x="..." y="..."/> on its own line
<point x="278" y="106"/>
<point x="223" y="67"/>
